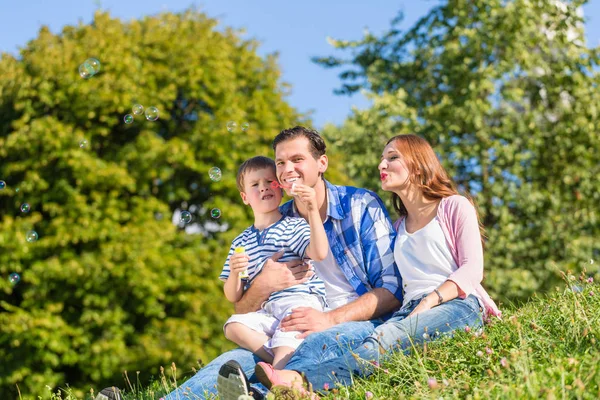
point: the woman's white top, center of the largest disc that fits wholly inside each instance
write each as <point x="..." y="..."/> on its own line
<point x="423" y="259"/>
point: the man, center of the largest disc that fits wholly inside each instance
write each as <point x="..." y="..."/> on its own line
<point x="361" y="279"/>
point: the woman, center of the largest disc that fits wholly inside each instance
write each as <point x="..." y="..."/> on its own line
<point x="438" y="250"/>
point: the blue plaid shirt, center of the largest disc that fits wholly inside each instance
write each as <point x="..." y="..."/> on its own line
<point x="360" y="234"/>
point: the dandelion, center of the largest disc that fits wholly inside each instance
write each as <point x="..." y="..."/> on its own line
<point x="368" y="395"/>
<point x="432" y="382"/>
<point x="590" y="279"/>
<point x="479" y="353"/>
<point x="488" y="350"/>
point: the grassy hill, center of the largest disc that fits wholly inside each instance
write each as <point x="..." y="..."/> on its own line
<point x="546" y="349"/>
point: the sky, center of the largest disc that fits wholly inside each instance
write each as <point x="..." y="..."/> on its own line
<point x="297" y="30"/>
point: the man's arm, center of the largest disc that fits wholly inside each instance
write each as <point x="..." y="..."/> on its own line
<point x="273" y="277"/>
<point x="370" y="305"/>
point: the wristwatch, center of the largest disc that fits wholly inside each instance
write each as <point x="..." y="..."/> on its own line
<point x="440" y="298"/>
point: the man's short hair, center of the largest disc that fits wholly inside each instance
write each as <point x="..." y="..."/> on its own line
<point x="317" y="144"/>
<point x="253" y="164"/>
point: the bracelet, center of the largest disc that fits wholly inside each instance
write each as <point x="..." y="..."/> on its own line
<point x="441" y="299"/>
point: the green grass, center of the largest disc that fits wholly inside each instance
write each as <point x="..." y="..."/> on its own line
<point x="546" y="349"/>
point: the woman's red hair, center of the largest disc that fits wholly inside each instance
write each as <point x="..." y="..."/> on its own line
<point x="426" y="173"/>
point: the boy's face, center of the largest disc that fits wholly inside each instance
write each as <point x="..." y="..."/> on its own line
<point x="258" y="192"/>
<point x="296" y="164"/>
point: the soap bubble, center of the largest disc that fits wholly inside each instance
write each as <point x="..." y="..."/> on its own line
<point x="185" y="217"/>
<point x="89" y="68"/>
<point x="83" y="144"/>
<point x="231" y="125"/>
<point x="137" y="109"/>
<point x="94" y="63"/>
<point x="128" y="119"/>
<point x="17" y="190"/>
<point x="151" y="113"/>
<point x="31" y="236"/>
<point x="14" y="278"/>
<point x="25" y="207"/>
<point x="215" y="213"/>
<point x="2" y="184"/>
<point x="215" y="174"/>
<point x="245" y="126"/>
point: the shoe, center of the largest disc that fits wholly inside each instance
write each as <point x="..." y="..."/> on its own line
<point x="233" y="383"/>
<point x="109" y="393"/>
<point x="266" y="374"/>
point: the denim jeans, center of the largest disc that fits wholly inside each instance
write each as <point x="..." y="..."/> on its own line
<point x="399" y="333"/>
<point x="316" y="348"/>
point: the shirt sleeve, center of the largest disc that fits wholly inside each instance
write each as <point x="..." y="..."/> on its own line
<point x="225" y="272"/>
<point x="377" y="237"/>
<point x="301" y="238"/>
<point x="463" y="221"/>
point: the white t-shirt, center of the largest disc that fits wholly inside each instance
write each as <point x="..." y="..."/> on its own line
<point x="337" y="288"/>
<point x="423" y="259"/>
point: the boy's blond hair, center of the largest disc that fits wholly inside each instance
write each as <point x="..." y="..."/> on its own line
<point x="253" y="164"/>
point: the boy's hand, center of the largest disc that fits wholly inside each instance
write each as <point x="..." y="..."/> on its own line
<point x="307" y="195"/>
<point x="238" y="262"/>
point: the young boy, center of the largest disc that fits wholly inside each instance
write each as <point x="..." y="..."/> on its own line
<point x="259" y="331"/>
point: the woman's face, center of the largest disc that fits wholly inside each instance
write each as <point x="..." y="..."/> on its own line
<point x="392" y="169"/>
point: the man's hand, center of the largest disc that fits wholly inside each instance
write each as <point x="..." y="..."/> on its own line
<point x="278" y="276"/>
<point x="306" y="320"/>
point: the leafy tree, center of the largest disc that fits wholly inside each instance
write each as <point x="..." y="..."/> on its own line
<point x="507" y="93"/>
<point x="113" y="284"/>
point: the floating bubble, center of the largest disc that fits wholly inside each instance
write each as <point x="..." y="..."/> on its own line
<point x="31" y="236"/>
<point x="245" y="126"/>
<point x="215" y="213"/>
<point x="215" y="174"/>
<point x="2" y="184"/>
<point x="137" y="109"/>
<point x="14" y="278"/>
<point x="231" y="125"/>
<point x="89" y="68"/>
<point x="591" y="261"/>
<point x="151" y="113"/>
<point x="158" y="216"/>
<point x="86" y="71"/>
<point x="185" y="217"/>
<point x="25" y="207"/>
<point x="193" y="186"/>
<point x="17" y="190"/>
<point x="94" y="63"/>
<point x="83" y="144"/>
<point x="275" y="185"/>
<point x="128" y="119"/>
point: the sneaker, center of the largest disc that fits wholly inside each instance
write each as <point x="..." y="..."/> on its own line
<point x="233" y="383"/>
<point x="109" y="393"/>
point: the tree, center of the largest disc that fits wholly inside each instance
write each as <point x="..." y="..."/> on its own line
<point x="113" y="284"/>
<point x="507" y="93"/>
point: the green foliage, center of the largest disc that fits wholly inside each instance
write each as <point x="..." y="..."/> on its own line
<point x="112" y="284"/>
<point x="507" y="93"/>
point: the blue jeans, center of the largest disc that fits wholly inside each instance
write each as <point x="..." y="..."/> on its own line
<point x="399" y="333"/>
<point x="316" y="348"/>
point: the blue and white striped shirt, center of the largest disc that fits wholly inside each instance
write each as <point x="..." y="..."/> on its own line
<point x="361" y="238"/>
<point x="289" y="234"/>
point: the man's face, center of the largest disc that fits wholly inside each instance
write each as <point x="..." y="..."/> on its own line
<point x="258" y="192"/>
<point x="296" y="164"/>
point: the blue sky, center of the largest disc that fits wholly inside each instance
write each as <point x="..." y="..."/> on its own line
<point x="296" y="29"/>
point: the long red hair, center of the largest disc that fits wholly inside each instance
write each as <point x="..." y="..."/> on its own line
<point x="426" y="173"/>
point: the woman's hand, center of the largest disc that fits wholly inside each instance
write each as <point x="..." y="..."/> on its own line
<point x="427" y="303"/>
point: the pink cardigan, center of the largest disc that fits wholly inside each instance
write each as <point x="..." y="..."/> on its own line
<point x="459" y="222"/>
